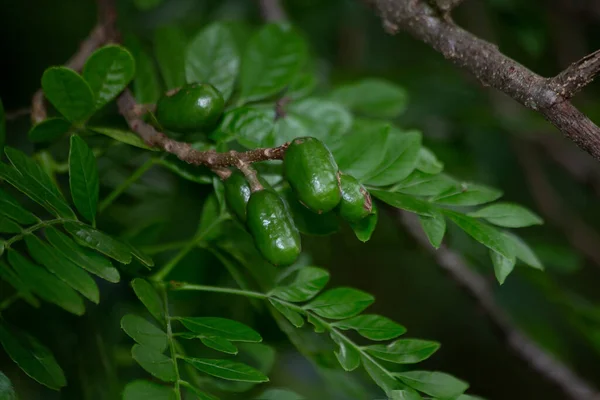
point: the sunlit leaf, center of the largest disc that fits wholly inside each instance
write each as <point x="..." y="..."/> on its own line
<point x="293" y="316"/>
<point x="508" y="215"/>
<point x="347" y="355"/>
<point x="436" y="384"/>
<point x="308" y="282"/>
<point x="404" y="351"/>
<point x="372" y="326"/>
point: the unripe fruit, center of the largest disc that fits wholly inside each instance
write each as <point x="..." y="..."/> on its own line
<point x="356" y="201"/>
<point x="311" y="172"/>
<point x="270" y="223"/>
<point x="193" y="108"/>
<point x="237" y="193"/>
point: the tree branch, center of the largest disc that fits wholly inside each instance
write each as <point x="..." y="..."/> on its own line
<point x="548" y="96"/>
<point x="524" y="347"/>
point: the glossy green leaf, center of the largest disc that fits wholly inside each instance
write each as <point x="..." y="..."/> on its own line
<point x="372" y="326"/>
<point x="381" y="377"/>
<point x="63" y="268"/>
<point x="170" y="51"/>
<point x="508" y="215"/>
<point x="307" y="283"/>
<point x="405" y="395"/>
<point x="303" y="85"/>
<point x="8" y="275"/>
<point x="108" y="71"/>
<point x="32" y="357"/>
<point x="359" y="153"/>
<point x="46" y="285"/>
<point x="340" y="303"/>
<point x="279" y="394"/>
<point x="405" y="202"/>
<point x="503" y="266"/>
<point x="49" y="130"/>
<point x="10" y="208"/>
<point x="483" y="233"/>
<point x="212" y="56"/>
<point x="436" y="384"/>
<point x="29" y="178"/>
<point x="84" y="258"/>
<point x="372" y="97"/>
<point x="8" y="225"/>
<point x="219" y="344"/>
<point x="252" y="127"/>
<point x="522" y="251"/>
<point x="428" y="162"/>
<point x="149" y="298"/>
<point x="347" y="355"/>
<point x="404" y="351"/>
<point x="434" y="227"/>
<point x="399" y="160"/>
<point x="293" y="316"/>
<point x="308" y="222"/>
<point x="99" y="241"/>
<point x="271" y="61"/>
<point x="144" y="390"/>
<point x="69" y="93"/>
<point x="83" y="178"/>
<point x="229" y="370"/>
<point x="144" y="332"/>
<point x="122" y="136"/>
<point x="146" y="86"/>
<point x="421" y="184"/>
<point x="222" y="328"/>
<point x="317" y="323"/>
<point x="154" y="362"/>
<point x="7" y="392"/>
<point x="467" y="194"/>
<point x="364" y="228"/>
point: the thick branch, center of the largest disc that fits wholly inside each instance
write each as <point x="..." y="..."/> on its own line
<point x="538" y="359"/>
<point x="547" y="96"/>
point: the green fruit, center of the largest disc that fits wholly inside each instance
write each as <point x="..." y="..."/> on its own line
<point x="192" y="108"/>
<point x="237" y="193"/>
<point x="311" y="171"/>
<point x="270" y="223"/>
<point x="356" y="201"/>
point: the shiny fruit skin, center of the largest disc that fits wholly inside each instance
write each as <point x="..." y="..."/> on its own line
<point x="237" y="193"/>
<point x="311" y="172"/>
<point x="271" y="224"/>
<point x="356" y="202"/>
<point x="193" y="108"/>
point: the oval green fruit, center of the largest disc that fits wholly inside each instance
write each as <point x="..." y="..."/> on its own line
<point x="311" y="172"/>
<point x="270" y="223"/>
<point x="356" y="201"/>
<point x="192" y="108"/>
<point x="237" y="193"/>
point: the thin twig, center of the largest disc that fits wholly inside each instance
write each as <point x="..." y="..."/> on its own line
<point x="539" y="359"/>
<point x="577" y="75"/>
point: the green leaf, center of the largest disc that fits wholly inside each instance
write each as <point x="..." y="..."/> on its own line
<point x="468" y="195"/>
<point x="32" y="357"/>
<point x="404" y="351"/>
<point x="483" y="233"/>
<point x="69" y="93"/>
<point x="154" y="362"/>
<point x="272" y="59"/>
<point x="149" y="298"/>
<point x="229" y="370"/>
<point x="293" y="316"/>
<point x="146" y="86"/>
<point x="108" y="71"/>
<point x="144" y="332"/>
<point x="508" y="215"/>
<point x="405" y="202"/>
<point x="436" y="384"/>
<point x="302" y="86"/>
<point x="28" y="177"/>
<point x="219" y="344"/>
<point x="279" y="394"/>
<point x="347" y="355"/>
<point x="359" y="153"/>
<point x="522" y="251"/>
<point x="399" y="159"/>
<point x="83" y="178"/>
<point x="422" y="184"/>
<point x="221" y="327"/>
<point x="122" y="136"/>
<point x="318" y="325"/>
<point x="2" y="126"/>
<point x="434" y="227"/>
<point x="10" y="208"/>
<point x="63" y="268"/>
<point x="200" y="395"/>
<point x="340" y="303"/>
<point x="46" y="285"/>
<point x="9" y="226"/>
<point x="503" y="266"/>
<point x="101" y="242"/>
<point x="9" y="276"/>
<point x="405" y="395"/>
<point x="88" y="260"/>
<point x="308" y="222"/>
<point x="212" y="57"/>
<point x="170" y="48"/>
<point x="381" y="377"/>
<point x="143" y="258"/>
<point x="49" y="130"/>
<point x="373" y="97"/>
<point x="428" y="162"/>
<point x="364" y="228"/>
<point x="144" y="390"/>
<point x="252" y="127"/>
<point x="7" y="392"/>
<point x="372" y="326"/>
<point x="308" y="282"/>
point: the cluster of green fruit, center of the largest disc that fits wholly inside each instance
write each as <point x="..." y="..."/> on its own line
<point x="308" y="166"/>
